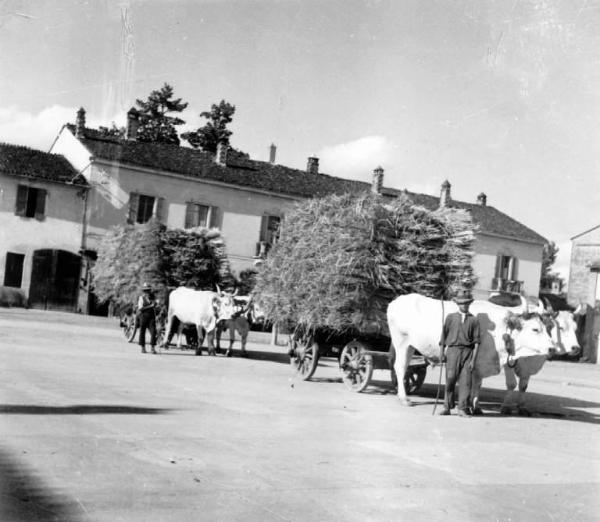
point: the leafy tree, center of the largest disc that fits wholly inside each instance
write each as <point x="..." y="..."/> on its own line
<point x="548" y="259"/>
<point x="155" y="123"/>
<point x="112" y="132"/>
<point x="215" y="130"/>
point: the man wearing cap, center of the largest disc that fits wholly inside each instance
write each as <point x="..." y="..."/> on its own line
<point x="461" y="337"/>
<point x="146" y="310"/>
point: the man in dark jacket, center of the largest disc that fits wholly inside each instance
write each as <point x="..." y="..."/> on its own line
<point x="147" y="315"/>
<point x="461" y="337"/>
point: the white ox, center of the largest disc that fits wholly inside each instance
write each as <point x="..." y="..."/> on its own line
<point x="203" y="309"/>
<point x="563" y="330"/>
<point x="415" y="322"/>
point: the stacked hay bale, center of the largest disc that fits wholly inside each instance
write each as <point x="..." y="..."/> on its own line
<point x="130" y="255"/>
<point x="340" y="260"/>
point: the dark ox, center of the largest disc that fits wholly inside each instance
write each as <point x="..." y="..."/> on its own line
<point x="519" y="344"/>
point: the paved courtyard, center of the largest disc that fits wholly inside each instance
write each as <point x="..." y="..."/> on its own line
<point x="92" y="430"/>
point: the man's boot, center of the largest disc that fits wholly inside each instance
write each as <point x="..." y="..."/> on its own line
<point x="143" y="350"/>
<point x="153" y="350"/>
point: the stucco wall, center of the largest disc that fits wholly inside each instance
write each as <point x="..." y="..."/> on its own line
<point x="585" y="250"/>
<point x="529" y="265"/>
<point x="240" y="210"/>
<point x="61" y="229"/>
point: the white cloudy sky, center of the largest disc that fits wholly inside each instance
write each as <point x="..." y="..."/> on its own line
<point x="499" y="97"/>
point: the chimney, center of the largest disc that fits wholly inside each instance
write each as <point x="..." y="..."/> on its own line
<point x="445" y="194"/>
<point x="482" y="199"/>
<point x="221" y="157"/>
<point x="313" y="165"/>
<point x="133" y="123"/>
<point x="272" y="152"/>
<point x="80" y="123"/>
<point x="377" y="181"/>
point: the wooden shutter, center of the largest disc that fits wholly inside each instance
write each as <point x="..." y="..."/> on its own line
<point x="40" y="204"/>
<point x="21" y="204"/>
<point x="213" y="217"/>
<point x="160" y="207"/>
<point x="264" y="228"/>
<point x="515" y="269"/>
<point x="134" y="200"/>
<point x="189" y="215"/>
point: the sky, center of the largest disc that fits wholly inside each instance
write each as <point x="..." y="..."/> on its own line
<point x="500" y="97"/>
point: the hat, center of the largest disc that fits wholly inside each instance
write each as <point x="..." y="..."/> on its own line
<point x="145" y="287"/>
<point x="463" y="297"/>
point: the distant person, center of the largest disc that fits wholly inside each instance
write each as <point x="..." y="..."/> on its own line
<point x="459" y="345"/>
<point x="580" y="315"/>
<point x="147" y="314"/>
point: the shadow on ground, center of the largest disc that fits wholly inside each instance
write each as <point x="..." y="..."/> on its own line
<point x="540" y="405"/>
<point x="78" y="409"/>
<point x="25" y="497"/>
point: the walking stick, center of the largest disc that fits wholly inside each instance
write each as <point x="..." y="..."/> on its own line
<point x="437" y="395"/>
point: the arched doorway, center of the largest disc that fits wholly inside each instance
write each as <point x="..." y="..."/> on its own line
<point x="54" y="280"/>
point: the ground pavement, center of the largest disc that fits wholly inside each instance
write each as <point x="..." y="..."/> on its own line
<point x="92" y="430"/>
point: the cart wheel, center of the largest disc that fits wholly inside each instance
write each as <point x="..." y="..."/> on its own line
<point x="356" y="366"/>
<point x="413" y="378"/>
<point x="129" y="328"/>
<point x="304" y="356"/>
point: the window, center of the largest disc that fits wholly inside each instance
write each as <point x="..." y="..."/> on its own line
<point x="269" y="234"/>
<point x="143" y="207"/>
<point x="13" y="273"/>
<point x="269" y="230"/>
<point x="198" y="215"/>
<point x="31" y="202"/>
<point x="506" y="267"/>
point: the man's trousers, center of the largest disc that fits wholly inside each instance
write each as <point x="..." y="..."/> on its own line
<point x="457" y="371"/>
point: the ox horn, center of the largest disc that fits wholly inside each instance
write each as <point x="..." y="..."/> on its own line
<point x="218" y="290"/>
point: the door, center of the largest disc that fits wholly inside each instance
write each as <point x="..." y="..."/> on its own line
<point x="54" y="280"/>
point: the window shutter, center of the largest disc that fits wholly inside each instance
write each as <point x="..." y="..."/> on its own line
<point x="134" y="200"/>
<point x="515" y="269"/>
<point x="189" y="215"/>
<point x="40" y="204"/>
<point x="213" y="218"/>
<point x="21" y="205"/>
<point x="498" y="266"/>
<point x="264" y="228"/>
<point x="160" y="207"/>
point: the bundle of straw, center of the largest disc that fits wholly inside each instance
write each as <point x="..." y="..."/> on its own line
<point x="340" y="260"/>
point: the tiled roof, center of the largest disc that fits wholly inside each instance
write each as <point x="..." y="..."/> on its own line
<point x="22" y="161"/>
<point x="489" y="219"/>
<point x="243" y="171"/>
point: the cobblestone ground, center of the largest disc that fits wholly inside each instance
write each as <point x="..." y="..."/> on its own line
<point x="91" y="429"/>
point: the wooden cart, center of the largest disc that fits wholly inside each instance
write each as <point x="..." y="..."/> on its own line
<point x="358" y="356"/>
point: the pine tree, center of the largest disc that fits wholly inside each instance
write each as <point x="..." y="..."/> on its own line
<point x="155" y="123"/>
<point x="215" y="129"/>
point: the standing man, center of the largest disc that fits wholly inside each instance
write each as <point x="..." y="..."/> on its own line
<point x="146" y="304"/>
<point x="461" y="337"/>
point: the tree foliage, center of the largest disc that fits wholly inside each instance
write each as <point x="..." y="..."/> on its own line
<point x="340" y="260"/>
<point x="215" y="130"/>
<point x="112" y="132"/>
<point x="548" y="259"/>
<point x="165" y="258"/>
<point x="156" y="124"/>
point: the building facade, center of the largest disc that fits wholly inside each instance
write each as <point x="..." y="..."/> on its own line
<point x="42" y="200"/>
<point x="584" y="269"/>
<point x="127" y="181"/>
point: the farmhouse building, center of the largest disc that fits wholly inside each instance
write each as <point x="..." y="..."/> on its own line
<point x="131" y="181"/>
<point x="42" y="200"/>
<point x="584" y="271"/>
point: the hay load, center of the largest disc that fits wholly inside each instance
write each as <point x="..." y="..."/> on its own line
<point x="340" y="260"/>
<point x="165" y="258"/>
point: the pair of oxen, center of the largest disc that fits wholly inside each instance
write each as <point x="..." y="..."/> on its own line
<point x="209" y="312"/>
<point x="515" y="339"/>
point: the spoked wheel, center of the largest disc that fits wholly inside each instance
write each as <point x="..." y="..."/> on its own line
<point x="129" y="327"/>
<point x="356" y="366"/>
<point x="413" y="378"/>
<point x="304" y="355"/>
